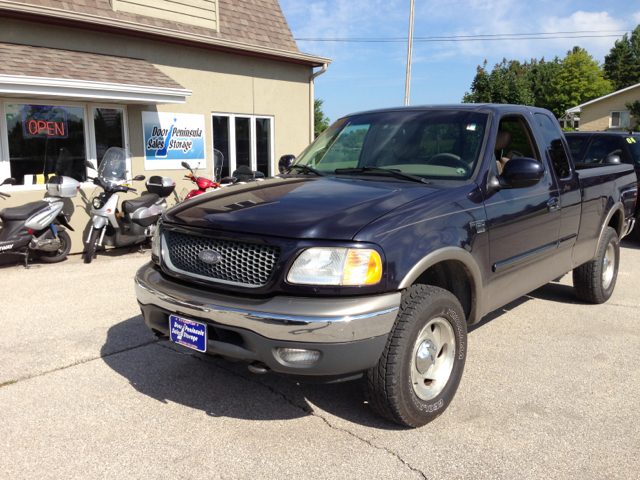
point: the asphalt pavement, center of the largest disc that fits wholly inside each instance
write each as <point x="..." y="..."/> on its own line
<point x="551" y="390"/>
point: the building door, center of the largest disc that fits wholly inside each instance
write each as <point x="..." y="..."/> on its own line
<point x="245" y="140"/>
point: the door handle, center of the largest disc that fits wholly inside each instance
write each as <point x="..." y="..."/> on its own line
<point x="553" y="204"/>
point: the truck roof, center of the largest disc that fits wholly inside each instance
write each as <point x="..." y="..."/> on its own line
<point x="476" y="107"/>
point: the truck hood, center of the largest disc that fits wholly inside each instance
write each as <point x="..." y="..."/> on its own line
<point x="319" y="207"/>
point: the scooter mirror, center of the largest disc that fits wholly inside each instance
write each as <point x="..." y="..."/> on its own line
<point x="88" y="164"/>
<point x="139" y="178"/>
<point x="186" y="165"/>
<point x="259" y="174"/>
<point x="9" y="181"/>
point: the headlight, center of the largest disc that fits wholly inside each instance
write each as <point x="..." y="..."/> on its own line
<point x="156" y="247"/>
<point x="97" y="203"/>
<point x="336" y="266"/>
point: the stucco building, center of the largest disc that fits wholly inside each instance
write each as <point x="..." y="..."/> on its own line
<point x="80" y="76"/>
<point x="608" y="112"/>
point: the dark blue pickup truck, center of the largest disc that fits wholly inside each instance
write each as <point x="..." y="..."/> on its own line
<point x="389" y="235"/>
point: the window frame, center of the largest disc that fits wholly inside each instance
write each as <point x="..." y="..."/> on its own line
<point x="621" y="126"/>
<point x="253" y="143"/>
<point x="89" y="136"/>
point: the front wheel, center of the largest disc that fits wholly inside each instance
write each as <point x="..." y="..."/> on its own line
<point x="594" y="281"/>
<point x="61" y="253"/>
<point x="91" y="245"/>
<point x="420" y="369"/>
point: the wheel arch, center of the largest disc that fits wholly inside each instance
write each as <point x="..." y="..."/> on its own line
<point x="455" y="270"/>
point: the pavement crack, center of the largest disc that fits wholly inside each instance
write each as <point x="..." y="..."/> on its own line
<point x="79" y="362"/>
<point x="300" y="407"/>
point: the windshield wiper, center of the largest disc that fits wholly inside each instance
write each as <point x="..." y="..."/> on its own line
<point x="396" y="172"/>
<point x="306" y="168"/>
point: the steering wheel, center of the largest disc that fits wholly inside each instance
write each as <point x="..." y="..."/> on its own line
<point x="449" y="160"/>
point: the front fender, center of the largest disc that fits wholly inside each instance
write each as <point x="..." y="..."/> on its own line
<point x="100" y="222"/>
<point x="465" y="258"/>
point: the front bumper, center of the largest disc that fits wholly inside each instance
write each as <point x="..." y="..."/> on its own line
<point x="350" y="332"/>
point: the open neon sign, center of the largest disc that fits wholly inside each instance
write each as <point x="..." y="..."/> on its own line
<point x="44" y="122"/>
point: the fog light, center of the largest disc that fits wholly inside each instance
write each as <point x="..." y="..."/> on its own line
<point x="298" y="356"/>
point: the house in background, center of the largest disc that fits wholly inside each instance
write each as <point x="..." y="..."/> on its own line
<point x="80" y="76"/>
<point x="608" y="112"/>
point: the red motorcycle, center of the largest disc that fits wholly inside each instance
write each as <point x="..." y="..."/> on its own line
<point x="203" y="183"/>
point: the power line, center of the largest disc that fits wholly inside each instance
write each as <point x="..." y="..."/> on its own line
<point x="475" y="38"/>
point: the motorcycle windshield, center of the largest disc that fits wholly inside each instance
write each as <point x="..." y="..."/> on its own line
<point x="113" y="166"/>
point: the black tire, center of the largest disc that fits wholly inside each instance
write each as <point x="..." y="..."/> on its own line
<point x="588" y="280"/>
<point x="389" y="386"/>
<point x="91" y="246"/>
<point x="61" y="253"/>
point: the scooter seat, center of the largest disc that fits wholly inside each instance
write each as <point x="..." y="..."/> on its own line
<point x="23" y="212"/>
<point x="130" y="206"/>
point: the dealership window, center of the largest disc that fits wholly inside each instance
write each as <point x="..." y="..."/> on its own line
<point x="40" y="139"/>
<point x="620" y="119"/>
<point x="244" y="140"/>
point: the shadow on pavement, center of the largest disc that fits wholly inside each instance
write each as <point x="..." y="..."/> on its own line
<point x="172" y="374"/>
<point x="630" y="242"/>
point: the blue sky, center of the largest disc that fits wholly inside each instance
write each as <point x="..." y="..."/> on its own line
<point x="372" y="75"/>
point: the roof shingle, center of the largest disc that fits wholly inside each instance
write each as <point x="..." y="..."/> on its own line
<point x="48" y="62"/>
<point x="254" y="22"/>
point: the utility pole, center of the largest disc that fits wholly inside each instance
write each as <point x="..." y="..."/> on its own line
<point x="409" y="53"/>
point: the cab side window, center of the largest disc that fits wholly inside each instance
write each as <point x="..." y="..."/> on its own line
<point x="601" y="147"/>
<point x="552" y="135"/>
<point x="513" y="140"/>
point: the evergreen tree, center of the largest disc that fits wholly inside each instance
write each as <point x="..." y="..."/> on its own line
<point x="622" y="65"/>
<point x="320" y="120"/>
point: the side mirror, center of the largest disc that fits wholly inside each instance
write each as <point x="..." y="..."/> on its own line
<point x="521" y="172"/>
<point x="186" y="165"/>
<point x="138" y="178"/>
<point x="9" y="181"/>
<point x="285" y="162"/>
<point x="88" y="164"/>
<point x="612" y="160"/>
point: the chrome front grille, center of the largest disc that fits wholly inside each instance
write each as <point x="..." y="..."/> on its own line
<point x="247" y="264"/>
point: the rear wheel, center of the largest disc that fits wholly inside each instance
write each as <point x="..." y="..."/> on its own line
<point x="61" y="253"/>
<point x="595" y="281"/>
<point x="418" y="374"/>
<point x="91" y="246"/>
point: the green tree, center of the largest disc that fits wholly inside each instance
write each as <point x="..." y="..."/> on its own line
<point x="320" y="120"/>
<point x="579" y="80"/>
<point x="634" y="110"/>
<point x="507" y="83"/>
<point x="622" y="65"/>
<point x="540" y="75"/>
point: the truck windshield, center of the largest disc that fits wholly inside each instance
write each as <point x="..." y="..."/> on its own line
<point x="438" y="144"/>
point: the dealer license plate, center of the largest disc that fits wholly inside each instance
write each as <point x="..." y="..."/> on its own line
<point x="188" y="333"/>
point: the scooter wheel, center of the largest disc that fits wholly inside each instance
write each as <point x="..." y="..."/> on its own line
<point x="91" y="246"/>
<point x="61" y="253"/>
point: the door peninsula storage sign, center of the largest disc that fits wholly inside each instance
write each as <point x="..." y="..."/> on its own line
<point x="172" y="138"/>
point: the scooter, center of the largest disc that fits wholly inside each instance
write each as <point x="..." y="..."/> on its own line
<point x="139" y="216"/>
<point x="32" y="226"/>
<point x="202" y="182"/>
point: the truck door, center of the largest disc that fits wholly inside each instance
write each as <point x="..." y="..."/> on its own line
<point x="523" y="223"/>
<point x="568" y="195"/>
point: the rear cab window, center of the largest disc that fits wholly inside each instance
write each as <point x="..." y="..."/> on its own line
<point x="552" y="135"/>
<point x="634" y="149"/>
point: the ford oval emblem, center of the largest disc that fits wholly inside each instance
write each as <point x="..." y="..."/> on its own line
<point x="209" y="256"/>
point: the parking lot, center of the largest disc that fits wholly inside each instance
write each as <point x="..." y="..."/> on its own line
<point x="550" y="390"/>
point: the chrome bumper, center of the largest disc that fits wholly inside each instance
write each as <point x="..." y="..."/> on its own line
<point x="315" y="320"/>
